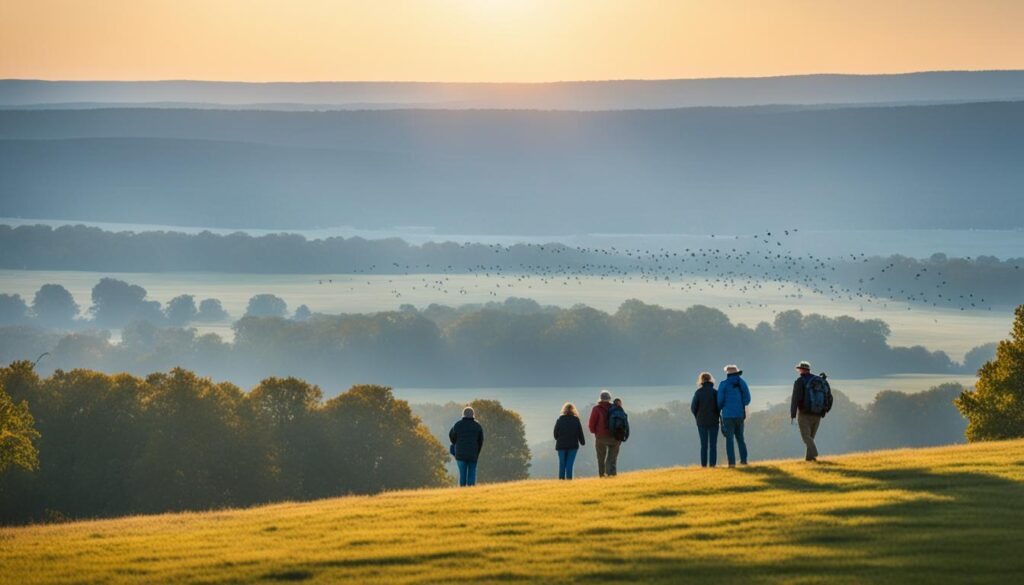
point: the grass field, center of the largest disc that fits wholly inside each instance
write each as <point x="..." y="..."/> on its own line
<point x="940" y="515"/>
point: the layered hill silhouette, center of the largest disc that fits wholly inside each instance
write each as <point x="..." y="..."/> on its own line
<point x="949" y="515"/>
<point x="946" y="86"/>
<point x="730" y="170"/>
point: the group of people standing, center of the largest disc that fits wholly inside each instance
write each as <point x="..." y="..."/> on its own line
<point x="724" y="407"/>
<point x="727" y="406"/>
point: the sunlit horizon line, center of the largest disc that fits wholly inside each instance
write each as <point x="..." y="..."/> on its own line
<point x="553" y="82"/>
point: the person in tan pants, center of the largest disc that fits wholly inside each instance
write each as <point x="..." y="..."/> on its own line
<point x="605" y="443"/>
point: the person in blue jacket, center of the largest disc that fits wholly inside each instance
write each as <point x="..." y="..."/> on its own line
<point x="467" y="437"/>
<point x="733" y="398"/>
<point x="704" y="407"/>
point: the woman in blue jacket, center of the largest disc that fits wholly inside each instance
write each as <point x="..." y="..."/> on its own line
<point x="704" y="407"/>
<point x="568" y="438"/>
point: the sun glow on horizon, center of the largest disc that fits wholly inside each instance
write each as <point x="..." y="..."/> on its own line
<point x="500" y="40"/>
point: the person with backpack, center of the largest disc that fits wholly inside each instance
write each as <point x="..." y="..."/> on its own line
<point x="605" y="443"/>
<point x="704" y="407"/>
<point x="733" y="398"/>
<point x="618" y="421"/>
<point x="568" y="439"/>
<point x="811" y="401"/>
<point x="467" y="438"/>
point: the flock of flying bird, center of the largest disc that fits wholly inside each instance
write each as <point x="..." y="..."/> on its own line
<point x="748" y="266"/>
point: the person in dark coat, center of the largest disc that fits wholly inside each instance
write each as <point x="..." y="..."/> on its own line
<point x="568" y="439"/>
<point x="467" y="437"/>
<point x="704" y="407"/>
<point x="800" y="411"/>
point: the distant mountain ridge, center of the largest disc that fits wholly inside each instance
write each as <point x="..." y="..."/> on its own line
<point x="937" y="86"/>
<point x="522" y="172"/>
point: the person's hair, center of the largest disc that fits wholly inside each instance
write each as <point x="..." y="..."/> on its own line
<point x="617" y="401"/>
<point x="468" y="412"/>
<point x="605" y="395"/>
<point x="570" y="408"/>
<point x="705" y="377"/>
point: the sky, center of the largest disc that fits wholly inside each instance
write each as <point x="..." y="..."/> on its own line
<point x="500" y="40"/>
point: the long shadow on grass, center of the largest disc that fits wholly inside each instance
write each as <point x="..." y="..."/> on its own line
<point x="939" y="528"/>
<point x="965" y="527"/>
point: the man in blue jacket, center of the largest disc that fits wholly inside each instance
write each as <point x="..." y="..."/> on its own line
<point x="733" y="398"/>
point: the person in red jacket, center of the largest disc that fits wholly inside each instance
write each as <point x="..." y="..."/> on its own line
<point x="605" y="443"/>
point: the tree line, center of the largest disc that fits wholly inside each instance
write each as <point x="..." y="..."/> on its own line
<point x="80" y="247"/>
<point x="515" y="343"/>
<point x="938" y="280"/>
<point x="92" y="444"/>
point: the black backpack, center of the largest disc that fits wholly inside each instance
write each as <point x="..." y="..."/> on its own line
<point x="817" y="395"/>
<point x="618" y="424"/>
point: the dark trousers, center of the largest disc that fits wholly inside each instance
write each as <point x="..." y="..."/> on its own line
<point x="467" y="472"/>
<point x="566" y="457"/>
<point x="733" y="427"/>
<point x="708" y="445"/>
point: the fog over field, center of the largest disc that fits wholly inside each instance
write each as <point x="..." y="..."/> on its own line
<point x="952" y="331"/>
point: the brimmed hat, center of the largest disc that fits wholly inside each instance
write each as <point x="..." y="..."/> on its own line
<point x="732" y="369"/>
<point x="804" y="365"/>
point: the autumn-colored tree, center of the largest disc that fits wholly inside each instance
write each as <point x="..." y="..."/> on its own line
<point x="995" y="409"/>
<point x="17" y="434"/>
<point x="380" y="444"/>
<point x="286" y="419"/>
<point x="506" y="456"/>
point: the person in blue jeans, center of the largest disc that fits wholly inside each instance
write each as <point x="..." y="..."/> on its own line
<point x="733" y="398"/>
<point x="467" y="437"/>
<point x="568" y="439"/>
<point x="704" y="407"/>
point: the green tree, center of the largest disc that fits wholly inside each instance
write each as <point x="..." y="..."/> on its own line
<point x="54" y="306"/>
<point x="197" y="454"/>
<point x="379" y="444"/>
<point x="17" y="434"/>
<point x="995" y="409"/>
<point x="92" y="437"/>
<point x="13" y="310"/>
<point x="284" y="410"/>
<point x="505" y="456"/>
<point x="181" y="310"/>
<point x="266" y="305"/>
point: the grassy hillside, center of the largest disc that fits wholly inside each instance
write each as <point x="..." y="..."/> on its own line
<point x="913" y="516"/>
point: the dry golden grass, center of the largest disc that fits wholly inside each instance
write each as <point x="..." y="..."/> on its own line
<point x="943" y="515"/>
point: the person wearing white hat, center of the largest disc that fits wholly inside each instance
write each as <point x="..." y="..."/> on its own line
<point x="811" y="401"/>
<point x="733" y="398"/>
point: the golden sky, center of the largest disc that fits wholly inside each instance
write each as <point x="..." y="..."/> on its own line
<point x="501" y="40"/>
